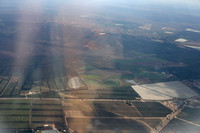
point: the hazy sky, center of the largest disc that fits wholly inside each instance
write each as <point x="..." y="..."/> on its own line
<point x="170" y="2"/>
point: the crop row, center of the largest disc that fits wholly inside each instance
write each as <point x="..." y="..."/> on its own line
<point x="9" y="89"/>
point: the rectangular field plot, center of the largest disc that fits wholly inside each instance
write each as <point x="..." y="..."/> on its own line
<point x="114" y="93"/>
<point x="13" y="101"/>
<point x="52" y="85"/>
<point x="152" y="109"/>
<point x="43" y="118"/>
<point x="9" y="86"/>
<point x="3" y="84"/>
<point x="50" y="119"/>
<point x="46" y="102"/>
<point x="15" y="106"/>
<point x="14" y="112"/>
<point x="51" y="94"/>
<point x="106" y="125"/>
<point x="100" y="109"/>
<point x="14" y="118"/>
<point x="13" y="125"/>
<point x="10" y="89"/>
<point x="46" y="107"/>
<point x="47" y="113"/>
<point x="117" y="108"/>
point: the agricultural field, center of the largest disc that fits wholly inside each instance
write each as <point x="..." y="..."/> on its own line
<point x="117" y="108"/>
<point x="190" y="114"/>
<point x="106" y="125"/>
<point x="27" y="113"/>
<point x="125" y="92"/>
<point x="88" y="116"/>
<point x="177" y="125"/>
<point x="152" y="109"/>
<point x="114" y="109"/>
<point x="12" y="85"/>
<point x="66" y="66"/>
<point x="151" y="122"/>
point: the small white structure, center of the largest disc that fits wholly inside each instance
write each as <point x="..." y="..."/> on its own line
<point x="102" y="33"/>
<point x="164" y="91"/>
<point x="181" y="40"/>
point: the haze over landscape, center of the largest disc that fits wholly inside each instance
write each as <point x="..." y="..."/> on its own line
<point x="99" y="66"/>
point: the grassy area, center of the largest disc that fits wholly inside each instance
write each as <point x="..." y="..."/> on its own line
<point x="111" y="83"/>
<point x="14" y="112"/>
<point x="52" y="94"/>
<point x="88" y="68"/>
<point x="92" y="77"/>
<point x="127" y="76"/>
<point x="152" y="75"/>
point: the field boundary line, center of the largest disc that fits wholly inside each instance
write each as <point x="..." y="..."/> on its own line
<point x="7" y="85"/>
<point x="188" y="121"/>
<point x="126" y="117"/>
<point x="137" y="109"/>
<point x="30" y="114"/>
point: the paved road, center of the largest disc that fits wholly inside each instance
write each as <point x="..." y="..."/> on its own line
<point x="168" y="119"/>
<point x="111" y="100"/>
<point x="123" y="117"/>
<point x="30" y="98"/>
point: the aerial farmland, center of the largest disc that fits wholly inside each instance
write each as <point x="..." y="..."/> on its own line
<point x="99" y="66"/>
